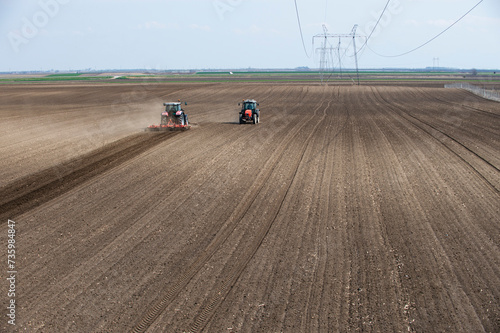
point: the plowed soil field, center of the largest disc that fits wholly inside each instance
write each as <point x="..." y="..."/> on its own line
<point x="371" y="209"/>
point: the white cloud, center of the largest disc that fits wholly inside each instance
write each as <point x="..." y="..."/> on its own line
<point x="155" y="25"/>
<point x="257" y="30"/>
<point x="442" y="23"/>
<point x="200" y="27"/>
<point x="413" y="23"/>
<point x="482" y="20"/>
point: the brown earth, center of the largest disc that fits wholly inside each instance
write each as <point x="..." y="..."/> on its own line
<point x="371" y="208"/>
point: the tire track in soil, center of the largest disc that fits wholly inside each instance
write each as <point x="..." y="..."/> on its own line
<point x="447" y="141"/>
<point x="475" y="130"/>
<point x="215" y="167"/>
<point x="94" y="264"/>
<point x="402" y="294"/>
<point x="246" y="202"/>
<point x="313" y="241"/>
<point x="34" y="190"/>
<point x="207" y="313"/>
<point x="468" y="93"/>
<point x="466" y="268"/>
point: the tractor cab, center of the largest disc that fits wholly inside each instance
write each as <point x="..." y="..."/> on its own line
<point x="174" y="116"/>
<point x="249" y="106"/>
<point x="172" y="107"/>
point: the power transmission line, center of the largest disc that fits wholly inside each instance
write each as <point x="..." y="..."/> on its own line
<point x="375" y="27"/>
<point x="430" y="40"/>
<point x="300" y="28"/>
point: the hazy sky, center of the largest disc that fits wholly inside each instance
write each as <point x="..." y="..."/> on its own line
<point x="177" y="34"/>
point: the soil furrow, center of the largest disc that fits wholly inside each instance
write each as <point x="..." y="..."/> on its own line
<point x="230" y="278"/>
<point x="379" y="214"/>
<point x="464" y="92"/>
<point x="156" y="310"/>
<point x="476" y="162"/>
<point x="32" y="191"/>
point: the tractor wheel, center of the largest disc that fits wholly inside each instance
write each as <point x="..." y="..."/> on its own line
<point x="254" y="118"/>
<point x="241" y="119"/>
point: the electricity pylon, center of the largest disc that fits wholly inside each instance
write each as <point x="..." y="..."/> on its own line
<point x="327" y="52"/>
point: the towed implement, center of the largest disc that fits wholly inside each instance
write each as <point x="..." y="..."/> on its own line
<point x="172" y="118"/>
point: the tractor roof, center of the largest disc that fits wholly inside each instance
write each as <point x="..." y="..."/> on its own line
<point x="249" y="101"/>
<point x="172" y="103"/>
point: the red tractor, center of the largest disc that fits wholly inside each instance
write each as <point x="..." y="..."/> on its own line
<point x="249" y="111"/>
<point x="173" y="118"/>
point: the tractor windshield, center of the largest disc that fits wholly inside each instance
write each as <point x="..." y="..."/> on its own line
<point x="249" y="106"/>
<point x="172" y="108"/>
